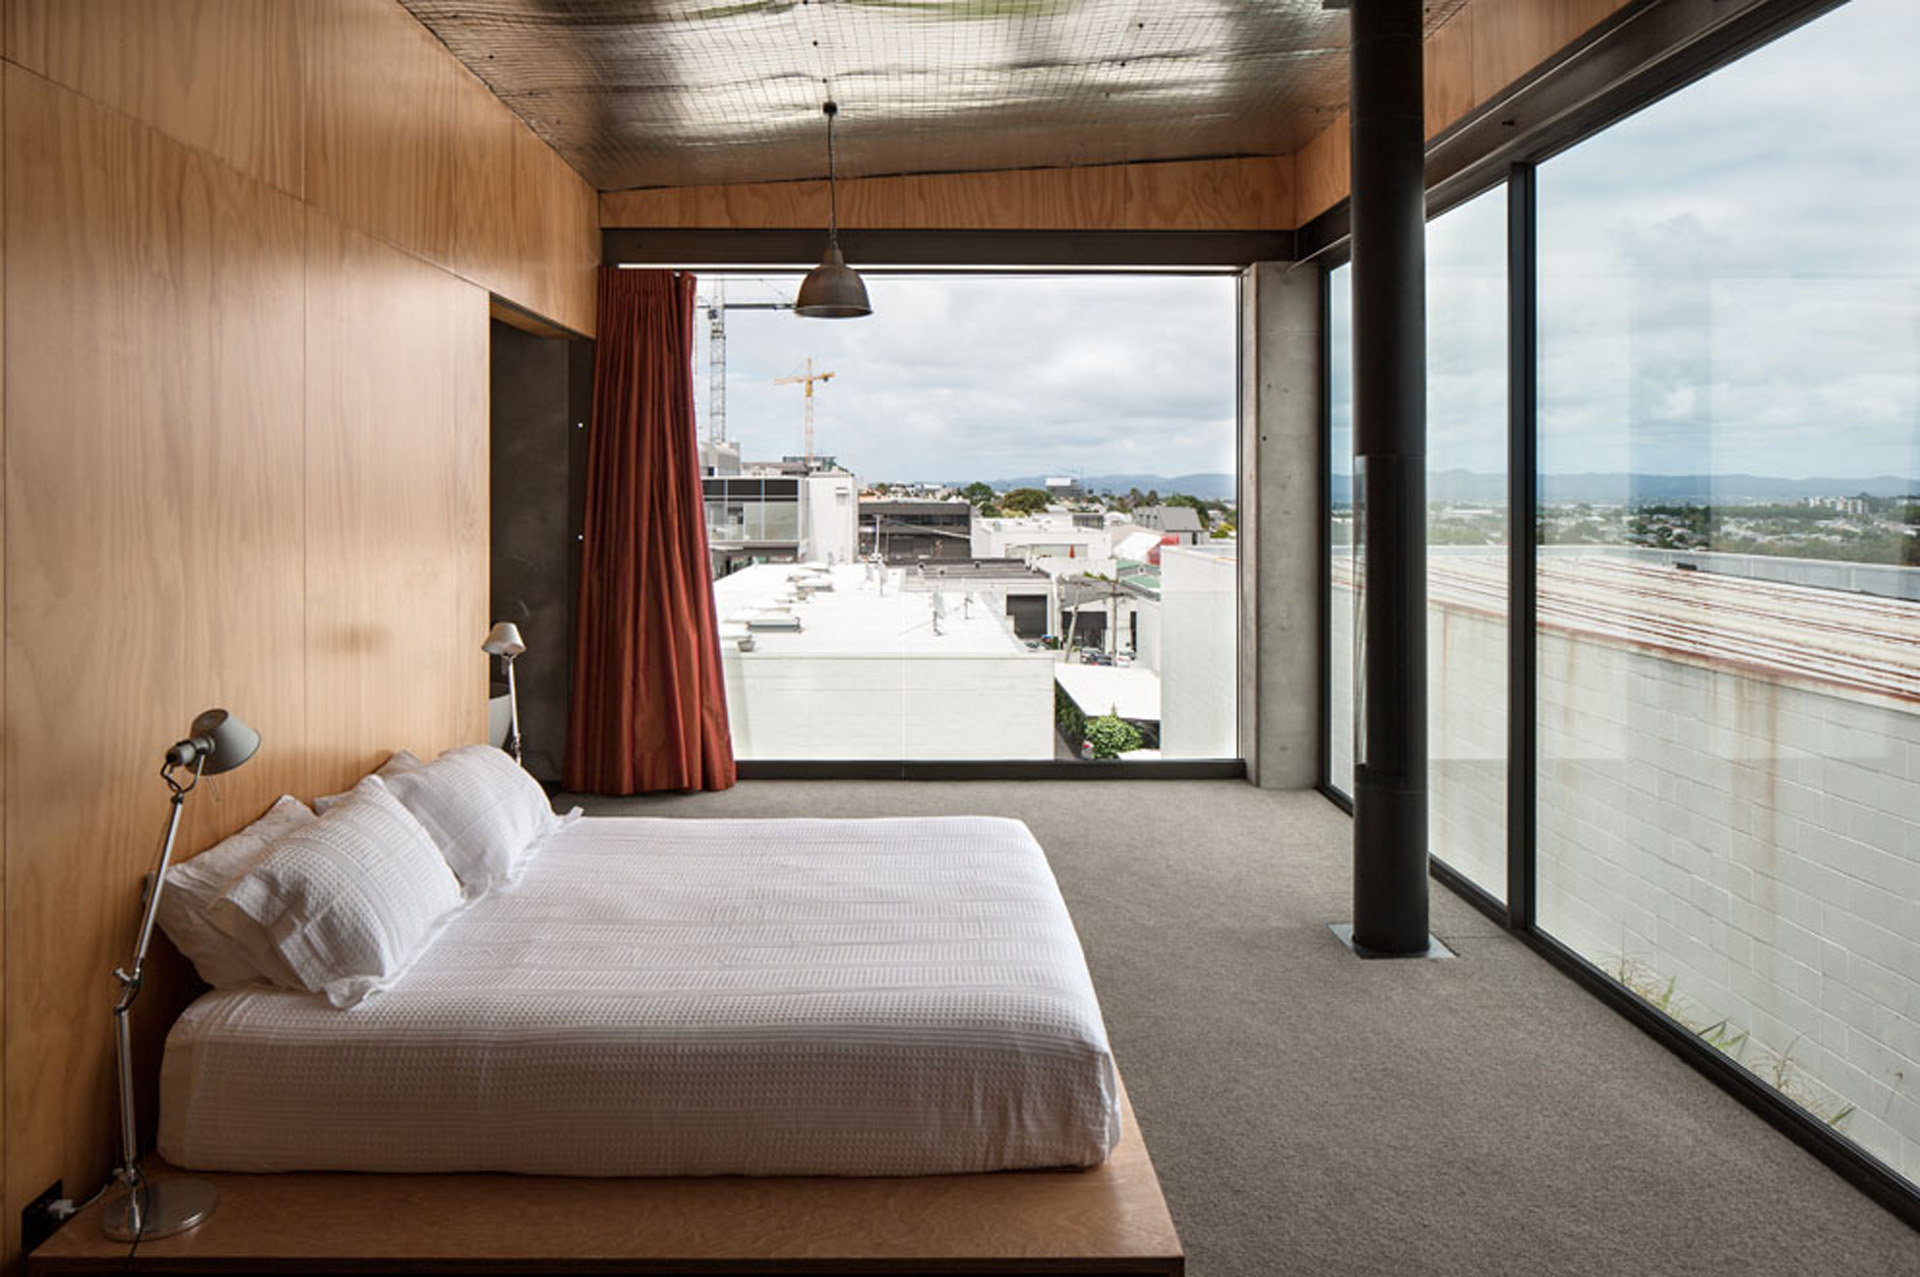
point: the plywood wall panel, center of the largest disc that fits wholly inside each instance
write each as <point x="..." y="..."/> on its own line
<point x="405" y="145"/>
<point x="1237" y="194"/>
<point x="1447" y="70"/>
<point x="1199" y="195"/>
<point x="392" y="663"/>
<point x="220" y="75"/>
<point x="163" y="434"/>
<point x="1322" y="171"/>
<point x="154" y="420"/>
<point x="551" y="252"/>
<point x="470" y="558"/>
<point x="383" y="109"/>
<point x="7" y="1210"/>
<point x="1512" y="37"/>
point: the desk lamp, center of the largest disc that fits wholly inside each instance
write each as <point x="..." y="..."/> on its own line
<point x="503" y="641"/>
<point x="216" y="742"/>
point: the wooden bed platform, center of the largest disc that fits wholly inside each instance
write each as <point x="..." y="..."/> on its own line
<point x="1110" y="1219"/>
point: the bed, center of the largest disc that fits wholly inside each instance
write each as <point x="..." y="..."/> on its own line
<point x="688" y="998"/>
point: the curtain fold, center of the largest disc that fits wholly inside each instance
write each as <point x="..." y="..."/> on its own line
<point x="649" y="706"/>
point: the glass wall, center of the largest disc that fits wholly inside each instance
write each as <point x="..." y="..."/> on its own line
<point x="994" y="522"/>
<point x="1341" y="582"/>
<point x="1729" y="603"/>
<point x="1467" y="538"/>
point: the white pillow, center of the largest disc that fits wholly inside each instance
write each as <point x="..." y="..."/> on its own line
<point x="193" y="886"/>
<point x="483" y="811"/>
<point x="400" y="762"/>
<point x="349" y="901"/>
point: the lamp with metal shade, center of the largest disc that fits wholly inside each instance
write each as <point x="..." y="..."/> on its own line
<point x="832" y="290"/>
<point x="216" y="742"/>
<point x="504" y="641"/>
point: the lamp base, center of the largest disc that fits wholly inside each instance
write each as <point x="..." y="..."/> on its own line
<point x="169" y="1206"/>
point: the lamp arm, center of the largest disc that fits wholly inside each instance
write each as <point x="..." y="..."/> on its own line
<point x="130" y="976"/>
<point x="513" y="710"/>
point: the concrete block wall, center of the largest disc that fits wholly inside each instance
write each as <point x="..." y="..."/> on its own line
<point x="1466" y="733"/>
<point x="1467" y="743"/>
<point x="1757" y="845"/>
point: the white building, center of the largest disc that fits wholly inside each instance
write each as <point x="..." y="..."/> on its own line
<point x="858" y="662"/>
<point x="766" y="514"/>
<point x="1048" y="540"/>
<point x="1197" y="648"/>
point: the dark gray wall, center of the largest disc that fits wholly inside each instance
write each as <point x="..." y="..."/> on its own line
<point x="538" y="475"/>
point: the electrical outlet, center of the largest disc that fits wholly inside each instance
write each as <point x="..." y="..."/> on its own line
<point x="37" y="1220"/>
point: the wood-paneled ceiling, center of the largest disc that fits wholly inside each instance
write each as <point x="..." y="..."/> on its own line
<point x="641" y="93"/>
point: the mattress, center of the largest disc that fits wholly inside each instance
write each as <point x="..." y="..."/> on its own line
<point x="688" y="997"/>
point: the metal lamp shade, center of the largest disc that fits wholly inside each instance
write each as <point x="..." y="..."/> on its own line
<point x="222" y="740"/>
<point x="504" y="640"/>
<point x="833" y="290"/>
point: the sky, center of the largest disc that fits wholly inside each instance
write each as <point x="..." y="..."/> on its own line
<point x="955" y="378"/>
<point x="1730" y="280"/>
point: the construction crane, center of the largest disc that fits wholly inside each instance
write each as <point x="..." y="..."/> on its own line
<point x="808" y="378"/>
<point x="717" y="308"/>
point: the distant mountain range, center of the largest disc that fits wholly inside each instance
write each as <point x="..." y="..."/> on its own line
<point x="1212" y="487"/>
<point x="1471" y="487"/>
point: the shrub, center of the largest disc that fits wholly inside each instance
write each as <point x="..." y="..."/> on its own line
<point x="1072" y="723"/>
<point x="1111" y="736"/>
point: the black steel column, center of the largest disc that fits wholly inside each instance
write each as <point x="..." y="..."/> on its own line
<point x="1388" y="206"/>
<point x="1523" y="526"/>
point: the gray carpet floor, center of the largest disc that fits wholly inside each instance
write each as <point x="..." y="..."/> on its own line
<point x="1312" y="1113"/>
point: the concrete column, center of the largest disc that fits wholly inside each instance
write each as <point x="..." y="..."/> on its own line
<point x="1278" y="525"/>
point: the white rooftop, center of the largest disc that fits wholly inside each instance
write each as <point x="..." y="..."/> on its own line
<point x="1125" y="690"/>
<point x="864" y="613"/>
<point x="1136" y="545"/>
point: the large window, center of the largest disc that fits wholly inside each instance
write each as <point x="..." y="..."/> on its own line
<point x="1729" y="638"/>
<point x="1726" y="693"/>
<point x="996" y="521"/>
<point x="1466" y="537"/>
<point x="1340" y="530"/>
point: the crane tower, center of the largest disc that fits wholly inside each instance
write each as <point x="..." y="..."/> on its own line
<point x="808" y="378"/>
<point x="717" y="308"/>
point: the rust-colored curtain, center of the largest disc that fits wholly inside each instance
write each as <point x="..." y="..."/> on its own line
<point x="649" y="707"/>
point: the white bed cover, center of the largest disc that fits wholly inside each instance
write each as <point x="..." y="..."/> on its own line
<point x="688" y="997"/>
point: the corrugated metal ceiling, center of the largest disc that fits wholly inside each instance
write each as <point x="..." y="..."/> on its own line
<point x="662" y="93"/>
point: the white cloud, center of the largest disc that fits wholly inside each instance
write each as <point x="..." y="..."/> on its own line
<point x="1730" y="279"/>
<point x="969" y="377"/>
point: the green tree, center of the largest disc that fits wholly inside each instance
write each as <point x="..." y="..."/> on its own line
<point x="1111" y="736"/>
<point x="978" y="494"/>
<point x="1024" y="501"/>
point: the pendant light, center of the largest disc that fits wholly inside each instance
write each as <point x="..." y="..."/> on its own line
<point x="832" y="290"/>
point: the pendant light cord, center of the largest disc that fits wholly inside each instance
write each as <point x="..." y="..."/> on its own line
<point x="832" y="109"/>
